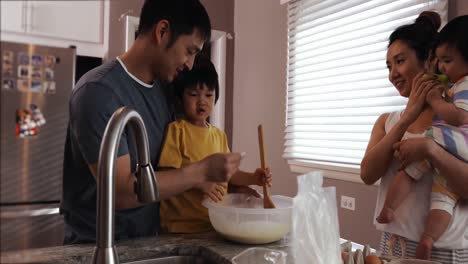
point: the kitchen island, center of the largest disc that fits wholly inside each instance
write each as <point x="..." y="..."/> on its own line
<point x="210" y="246"/>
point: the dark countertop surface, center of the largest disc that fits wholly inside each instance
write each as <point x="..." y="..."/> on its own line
<point x="208" y="245"/>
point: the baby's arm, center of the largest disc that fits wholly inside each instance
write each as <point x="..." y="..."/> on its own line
<point x="447" y="111"/>
<point x="259" y="177"/>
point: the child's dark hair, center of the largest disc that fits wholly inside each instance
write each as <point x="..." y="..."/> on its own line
<point x="203" y="72"/>
<point x="184" y="17"/>
<point x="455" y="34"/>
<point x="420" y="35"/>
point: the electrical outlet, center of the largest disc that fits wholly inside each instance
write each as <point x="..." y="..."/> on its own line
<point x="347" y="202"/>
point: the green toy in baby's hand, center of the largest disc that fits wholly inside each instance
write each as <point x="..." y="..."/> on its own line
<point x="442" y="78"/>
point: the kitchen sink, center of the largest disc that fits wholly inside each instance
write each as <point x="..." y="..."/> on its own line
<point x="173" y="260"/>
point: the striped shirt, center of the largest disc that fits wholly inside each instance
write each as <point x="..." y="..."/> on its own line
<point x="444" y="256"/>
<point x="453" y="139"/>
<point x="460" y="93"/>
<point x="410" y="217"/>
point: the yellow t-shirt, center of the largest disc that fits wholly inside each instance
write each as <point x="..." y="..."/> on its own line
<point x="184" y="144"/>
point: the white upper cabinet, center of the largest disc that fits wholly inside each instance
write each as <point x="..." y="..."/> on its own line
<point x="70" y="20"/>
<point x="78" y="20"/>
<point x="83" y="24"/>
<point x="12" y="18"/>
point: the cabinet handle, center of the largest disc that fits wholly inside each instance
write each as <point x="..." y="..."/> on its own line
<point x="23" y="16"/>
<point x="29" y="16"/>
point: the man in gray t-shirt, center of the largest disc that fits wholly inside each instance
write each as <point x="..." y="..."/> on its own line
<point x="96" y="97"/>
<point x="171" y="33"/>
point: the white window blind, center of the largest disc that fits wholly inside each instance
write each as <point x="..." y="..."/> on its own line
<point x="337" y="77"/>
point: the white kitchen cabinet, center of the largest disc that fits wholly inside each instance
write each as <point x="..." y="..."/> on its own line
<point x="71" y="20"/>
<point x="12" y="18"/>
<point x="77" y="20"/>
<point x="84" y="24"/>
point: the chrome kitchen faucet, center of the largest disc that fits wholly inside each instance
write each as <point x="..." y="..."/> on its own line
<point x="145" y="186"/>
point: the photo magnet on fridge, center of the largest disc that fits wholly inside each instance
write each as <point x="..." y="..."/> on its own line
<point x="8" y="84"/>
<point x="36" y="86"/>
<point x="49" y="60"/>
<point x="23" y="71"/>
<point x="23" y="58"/>
<point x="36" y="60"/>
<point x="22" y="85"/>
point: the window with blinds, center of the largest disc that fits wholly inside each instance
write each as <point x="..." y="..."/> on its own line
<point x="337" y="77"/>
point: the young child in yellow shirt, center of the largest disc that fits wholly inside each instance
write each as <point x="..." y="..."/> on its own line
<point x="190" y="139"/>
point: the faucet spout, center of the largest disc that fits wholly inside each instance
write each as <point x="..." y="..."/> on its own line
<point x="145" y="186"/>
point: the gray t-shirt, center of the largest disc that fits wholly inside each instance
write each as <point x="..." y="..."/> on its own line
<point x="97" y="95"/>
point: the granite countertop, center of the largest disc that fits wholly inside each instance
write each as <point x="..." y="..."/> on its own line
<point x="208" y="245"/>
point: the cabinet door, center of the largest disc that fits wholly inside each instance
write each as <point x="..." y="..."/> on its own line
<point x="13" y="16"/>
<point x="74" y="20"/>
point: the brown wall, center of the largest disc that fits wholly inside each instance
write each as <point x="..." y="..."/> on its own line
<point x="221" y="13"/>
<point x="259" y="87"/>
<point x="117" y="28"/>
<point x="457" y="8"/>
<point x="357" y="225"/>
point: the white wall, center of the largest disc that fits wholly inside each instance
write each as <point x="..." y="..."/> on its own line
<point x="260" y="57"/>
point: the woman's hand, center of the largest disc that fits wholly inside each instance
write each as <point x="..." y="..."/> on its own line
<point x="435" y="93"/>
<point x="262" y="177"/>
<point x="421" y="85"/>
<point x="412" y="150"/>
<point x="214" y="190"/>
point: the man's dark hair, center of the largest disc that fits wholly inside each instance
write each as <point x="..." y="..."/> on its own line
<point x="455" y="34"/>
<point x="203" y="72"/>
<point x="184" y="17"/>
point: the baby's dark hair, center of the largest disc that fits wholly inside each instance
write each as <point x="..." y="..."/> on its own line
<point x="421" y="35"/>
<point x="203" y="72"/>
<point x="455" y="34"/>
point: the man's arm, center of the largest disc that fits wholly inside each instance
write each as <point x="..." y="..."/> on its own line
<point x="215" y="168"/>
<point x="218" y="167"/>
<point x="125" y="196"/>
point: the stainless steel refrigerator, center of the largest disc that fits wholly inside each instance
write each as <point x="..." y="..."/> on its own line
<point x="36" y="82"/>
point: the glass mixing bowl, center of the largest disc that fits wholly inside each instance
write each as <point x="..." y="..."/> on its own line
<point x="243" y="219"/>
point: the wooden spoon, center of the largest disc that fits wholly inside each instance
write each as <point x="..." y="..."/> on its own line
<point x="267" y="202"/>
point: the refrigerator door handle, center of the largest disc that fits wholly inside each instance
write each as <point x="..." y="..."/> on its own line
<point x="30" y="213"/>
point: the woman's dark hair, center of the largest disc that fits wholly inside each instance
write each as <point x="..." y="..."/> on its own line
<point x="420" y="35"/>
<point x="455" y="34"/>
<point x="203" y="72"/>
<point x="184" y="17"/>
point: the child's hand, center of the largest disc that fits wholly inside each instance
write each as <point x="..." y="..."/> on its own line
<point x="214" y="190"/>
<point x="262" y="177"/>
